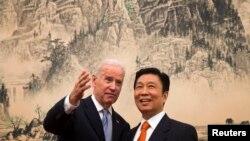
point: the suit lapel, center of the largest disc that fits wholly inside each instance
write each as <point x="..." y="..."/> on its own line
<point x="132" y="132"/>
<point x="160" y="133"/>
<point x="116" y="126"/>
<point x="93" y="117"/>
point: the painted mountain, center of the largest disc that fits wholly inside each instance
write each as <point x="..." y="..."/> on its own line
<point x="202" y="44"/>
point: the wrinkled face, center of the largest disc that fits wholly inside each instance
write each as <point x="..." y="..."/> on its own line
<point x="148" y="95"/>
<point x="107" y="84"/>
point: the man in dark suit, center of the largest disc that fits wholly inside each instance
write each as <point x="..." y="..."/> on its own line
<point x="150" y="93"/>
<point x="77" y="119"/>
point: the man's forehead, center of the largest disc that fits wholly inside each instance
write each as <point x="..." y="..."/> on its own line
<point x="144" y="78"/>
<point x="109" y="72"/>
<point x="147" y="82"/>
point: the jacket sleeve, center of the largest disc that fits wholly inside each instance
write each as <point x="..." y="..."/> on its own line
<point x="57" y="120"/>
<point x="190" y="134"/>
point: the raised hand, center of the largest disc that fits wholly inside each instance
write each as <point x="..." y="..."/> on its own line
<point x="81" y="85"/>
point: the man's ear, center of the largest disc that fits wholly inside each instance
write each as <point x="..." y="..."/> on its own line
<point x="165" y="95"/>
<point x="93" y="79"/>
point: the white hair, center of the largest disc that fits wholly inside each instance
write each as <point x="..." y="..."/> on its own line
<point x="105" y="62"/>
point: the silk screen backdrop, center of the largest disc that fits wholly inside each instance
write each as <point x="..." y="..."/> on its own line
<point x="203" y="45"/>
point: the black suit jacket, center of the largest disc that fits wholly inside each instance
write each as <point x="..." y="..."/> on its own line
<point x="168" y="130"/>
<point x="83" y="124"/>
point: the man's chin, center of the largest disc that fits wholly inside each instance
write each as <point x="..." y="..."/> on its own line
<point x="110" y="101"/>
<point x="144" y="110"/>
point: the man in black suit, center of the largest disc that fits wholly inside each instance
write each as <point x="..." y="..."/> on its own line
<point x="150" y="93"/>
<point x="77" y="119"/>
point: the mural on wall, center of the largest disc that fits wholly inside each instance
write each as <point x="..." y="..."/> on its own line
<point x="202" y="44"/>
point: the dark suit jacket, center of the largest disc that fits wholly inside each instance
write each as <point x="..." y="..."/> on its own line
<point x="168" y="130"/>
<point x="84" y="124"/>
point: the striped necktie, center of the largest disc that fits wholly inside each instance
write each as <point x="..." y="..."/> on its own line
<point x="107" y="125"/>
<point x="144" y="129"/>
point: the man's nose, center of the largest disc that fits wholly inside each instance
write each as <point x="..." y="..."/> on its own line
<point x="113" y="85"/>
<point x="144" y="91"/>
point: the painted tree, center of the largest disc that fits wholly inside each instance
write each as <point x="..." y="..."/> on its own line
<point x="229" y="121"/>
<point x="39" y="113"/>
<point x="4" y="98"/>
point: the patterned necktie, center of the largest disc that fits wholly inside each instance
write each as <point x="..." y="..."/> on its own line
<point x="144" y="129"/>
<point x="107" y="125"/>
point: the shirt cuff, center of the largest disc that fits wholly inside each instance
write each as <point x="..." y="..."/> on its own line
<point x="68" y="107"/>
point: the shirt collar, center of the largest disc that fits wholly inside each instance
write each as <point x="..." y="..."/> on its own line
<point x="98" y="106"/>
<point x="154" y="121"/>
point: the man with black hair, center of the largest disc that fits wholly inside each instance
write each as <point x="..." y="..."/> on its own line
<point x="151" y="87"/>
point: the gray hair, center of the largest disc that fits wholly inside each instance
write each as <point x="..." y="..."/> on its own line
<point x="105" y="62"/>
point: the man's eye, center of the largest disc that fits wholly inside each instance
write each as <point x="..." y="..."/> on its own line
<point x="151" y="86"/>
<point x="119" y="83"/>
<point x="138" y="86"/>
<point x="108" y="79"/>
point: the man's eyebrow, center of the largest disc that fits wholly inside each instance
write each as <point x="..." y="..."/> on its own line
<point x="149" y="82"/>
<point x="138" y="82"/>
<point x="108" y="76"/>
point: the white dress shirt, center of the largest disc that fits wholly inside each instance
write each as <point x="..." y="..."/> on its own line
<point x="68" y="107"/>
<point x="153" y="122"/>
